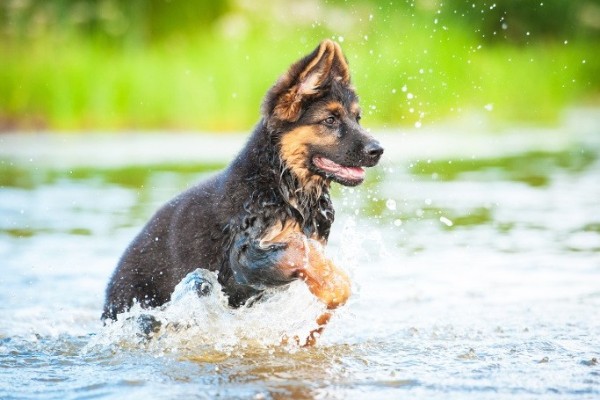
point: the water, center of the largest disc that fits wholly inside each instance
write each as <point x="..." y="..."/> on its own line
<point x="475" y="260"/>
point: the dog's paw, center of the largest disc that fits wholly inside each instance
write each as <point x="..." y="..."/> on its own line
<point x="148" y="325"/>
<point x="199" y="284"/>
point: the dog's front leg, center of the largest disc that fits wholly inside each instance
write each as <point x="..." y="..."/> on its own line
<point x="327" y="282"/>
<point x="301" y="257"/>
<point x="324" y="279"/>
<point x="260" y="265"/>
<point x="285" y="254"/>
<point x="278" y="256"/>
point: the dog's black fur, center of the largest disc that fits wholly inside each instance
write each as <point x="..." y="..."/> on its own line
<point x="220" y="224"/>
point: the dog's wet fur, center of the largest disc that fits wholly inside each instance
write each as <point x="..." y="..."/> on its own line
<point x="255" y="221"/>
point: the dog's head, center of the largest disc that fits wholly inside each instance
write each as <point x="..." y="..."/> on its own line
<point x="313" y="111"/>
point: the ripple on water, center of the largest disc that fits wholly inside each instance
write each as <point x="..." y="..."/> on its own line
<point x="500" y="303"/>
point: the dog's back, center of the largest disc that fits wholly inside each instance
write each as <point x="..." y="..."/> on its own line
<point x="156" y="260"/>
<point x="195" y="230"/>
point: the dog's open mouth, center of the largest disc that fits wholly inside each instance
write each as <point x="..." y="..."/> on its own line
<point x="345" y="175"/>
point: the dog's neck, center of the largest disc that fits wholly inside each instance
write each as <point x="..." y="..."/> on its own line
<point x="275" y="184"/>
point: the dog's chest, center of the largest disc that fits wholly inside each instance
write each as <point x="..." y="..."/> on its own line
<point x="320" y="218"/>
<point x="311" y="218"/>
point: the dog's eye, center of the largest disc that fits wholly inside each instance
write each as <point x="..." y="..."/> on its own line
<point x="329" y="121"/>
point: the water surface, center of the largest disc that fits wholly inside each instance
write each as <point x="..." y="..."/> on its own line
<point x="475" y="259"/>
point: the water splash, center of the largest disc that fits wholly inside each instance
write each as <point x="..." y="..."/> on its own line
<point x="190" y="325"/>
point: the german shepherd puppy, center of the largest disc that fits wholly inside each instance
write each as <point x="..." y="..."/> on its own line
<point x="263" y="221"/>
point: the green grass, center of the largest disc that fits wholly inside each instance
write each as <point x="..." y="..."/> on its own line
<point x="208" y="81"/>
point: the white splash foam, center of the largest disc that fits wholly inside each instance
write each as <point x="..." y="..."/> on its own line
<point x="192" y="325"/>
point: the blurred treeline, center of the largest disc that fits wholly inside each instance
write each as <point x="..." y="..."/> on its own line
<point x="177" y="64"/>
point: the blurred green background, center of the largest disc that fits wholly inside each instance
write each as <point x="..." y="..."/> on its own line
<point x="205" y="65"/>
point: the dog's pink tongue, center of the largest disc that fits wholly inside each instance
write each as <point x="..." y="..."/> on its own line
<point x="349" y="173"/>
<point x="352" y="173"/>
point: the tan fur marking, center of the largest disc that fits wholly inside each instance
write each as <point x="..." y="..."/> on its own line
<point x="294" y="153"/>
<point x="325" y="280"/>
<point x="306" y="258"/>
<point x="355" y="108"/>
<point x="288" y="106"/>
<point x="280" y="232"/>
<point x="336" y="108"/>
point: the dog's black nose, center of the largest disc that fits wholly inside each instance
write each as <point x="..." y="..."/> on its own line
<point x="373" y="150"/>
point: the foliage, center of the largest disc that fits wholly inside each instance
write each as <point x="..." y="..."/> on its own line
<point x="107" y="64"/>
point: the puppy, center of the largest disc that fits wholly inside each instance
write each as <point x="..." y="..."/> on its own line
<point x="263" y="221"/>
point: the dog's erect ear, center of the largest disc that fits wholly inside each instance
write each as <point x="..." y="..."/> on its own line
<point x="324" y="63"/>
<point x="304" y="79"/>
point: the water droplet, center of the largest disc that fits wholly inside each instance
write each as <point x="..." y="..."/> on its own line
<point x="446" y="221"/>
<point x="391" y="204"/>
